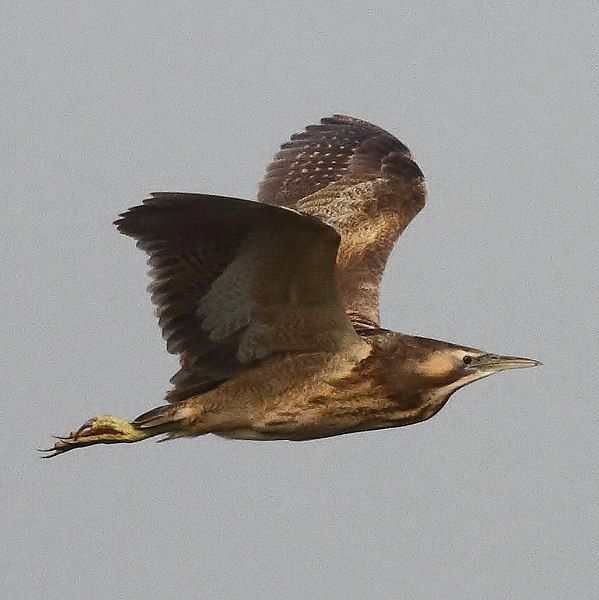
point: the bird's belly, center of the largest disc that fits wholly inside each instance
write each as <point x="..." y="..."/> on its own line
<point x="321" y="417"/>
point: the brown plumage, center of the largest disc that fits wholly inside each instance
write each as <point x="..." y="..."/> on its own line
<point x="363" y="182"/>
<point x="272" y="306"/>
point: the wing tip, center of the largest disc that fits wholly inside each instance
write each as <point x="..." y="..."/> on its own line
<point x="337" y="147"/>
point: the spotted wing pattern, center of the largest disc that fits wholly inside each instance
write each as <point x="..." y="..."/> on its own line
<point x="362" y="181"/>
<point x="236" y="282"/>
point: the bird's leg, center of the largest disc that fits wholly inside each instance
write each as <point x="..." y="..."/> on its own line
<point x="106" y="430"/>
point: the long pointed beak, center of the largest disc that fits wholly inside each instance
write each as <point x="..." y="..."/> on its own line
<point x="495" y="362"/>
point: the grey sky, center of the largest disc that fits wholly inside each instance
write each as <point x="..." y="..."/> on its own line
<point x="493" y="498"/>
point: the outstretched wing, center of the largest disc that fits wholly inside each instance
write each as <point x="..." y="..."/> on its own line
<point x="362" y="181"/>
<point x="236" y="281"/>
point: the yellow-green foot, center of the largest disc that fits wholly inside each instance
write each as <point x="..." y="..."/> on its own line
<point x="99" y="430"/>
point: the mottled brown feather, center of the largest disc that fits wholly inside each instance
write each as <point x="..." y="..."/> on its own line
<point x="359" y="179"/>
<point x="236" y="281"/>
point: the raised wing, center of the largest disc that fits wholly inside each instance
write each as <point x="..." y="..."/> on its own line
<point x="362" y="181"/>
<point x="235" y="282"/>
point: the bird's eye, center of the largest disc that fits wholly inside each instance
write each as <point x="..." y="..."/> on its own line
<point x="467" y="360"/>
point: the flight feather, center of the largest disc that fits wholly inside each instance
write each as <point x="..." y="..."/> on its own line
<point x="363" y="182"/>
<point x="236" y="281"/>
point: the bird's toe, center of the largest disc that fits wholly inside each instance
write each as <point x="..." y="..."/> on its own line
<point x="86" y="427"/>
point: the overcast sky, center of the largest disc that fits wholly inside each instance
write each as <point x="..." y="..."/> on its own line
<point x="496" y="496"/>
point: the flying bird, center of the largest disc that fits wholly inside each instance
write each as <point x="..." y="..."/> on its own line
<point x="273" y="305"/>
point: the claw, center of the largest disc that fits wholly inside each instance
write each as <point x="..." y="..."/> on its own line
<point x="87" y="425"/>
<point x="52" y="454"/>
<point x="59" y="447"/>
<point x="69" y="442"/>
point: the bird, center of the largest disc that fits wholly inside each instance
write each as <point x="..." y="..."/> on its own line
<point x="272" y="305"/>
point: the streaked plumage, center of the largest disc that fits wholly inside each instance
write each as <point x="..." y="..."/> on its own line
<point x="272" y="306"/>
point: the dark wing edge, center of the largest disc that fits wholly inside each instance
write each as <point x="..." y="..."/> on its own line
<point x="362" y="181"/>
<point x="236" y="281"/>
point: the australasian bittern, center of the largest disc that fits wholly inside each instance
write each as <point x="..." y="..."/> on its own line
<point x="272" y="306"/>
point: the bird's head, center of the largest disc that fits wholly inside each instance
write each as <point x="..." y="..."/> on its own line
<point x="444" y="368"/>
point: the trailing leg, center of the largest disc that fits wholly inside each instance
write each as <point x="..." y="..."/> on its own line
<point x="113" y="430"/>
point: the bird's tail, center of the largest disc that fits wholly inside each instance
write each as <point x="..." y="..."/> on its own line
<point x="167" y="418"/>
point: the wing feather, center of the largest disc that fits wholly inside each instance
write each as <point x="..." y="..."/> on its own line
<point x="362" y="181"/>
<point x="235" y="282"/>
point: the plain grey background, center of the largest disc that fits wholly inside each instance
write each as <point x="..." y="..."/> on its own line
<point x="496" y="497"/>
